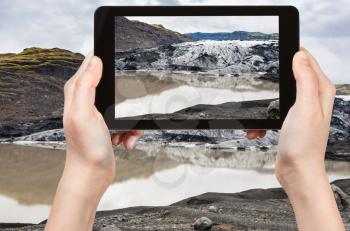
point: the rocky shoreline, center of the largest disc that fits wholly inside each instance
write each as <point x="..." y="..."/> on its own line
<point x="256" y="109"/>
<point x="11" y="129"/>
<point x="256" y="209"/>
<point x="337" y="149"/>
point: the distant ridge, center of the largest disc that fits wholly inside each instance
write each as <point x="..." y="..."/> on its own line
<point x="236" y="35"/>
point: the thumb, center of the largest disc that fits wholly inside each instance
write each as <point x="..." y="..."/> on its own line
<point x="85" y="86"/>
<point x="306" y="80"/>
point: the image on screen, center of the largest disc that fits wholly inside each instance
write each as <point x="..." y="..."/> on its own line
<point x="196" y="67"/>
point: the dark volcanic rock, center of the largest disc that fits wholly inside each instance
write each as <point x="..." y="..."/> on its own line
<point x="273" y="77"/>
<point x="256" y="209"/>
<point x="338" y="150"/>
<point x="134" y="34"/>
<point x="257" y="109"/>
<point x="273" y="110"/>
<point x="269" y="51"/>
<point x="11" y="129"/>
<point x="339" y="139"/>
<point x="338" y="146"/>
<point x="340" y="121"/>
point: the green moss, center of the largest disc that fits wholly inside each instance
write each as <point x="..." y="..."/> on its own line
<point x="162" y="28"/>
<point x="159" y="26"/>
<point x="32" y="59"/>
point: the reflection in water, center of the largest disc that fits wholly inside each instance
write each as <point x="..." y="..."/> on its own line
<point x="182" y="97"/>
<point x="29" y="176"/>
<point x="139" y="92"/>
<point x="137" y="84"/>
<point x="185" y="180"/>
<point x="12" y="211"/>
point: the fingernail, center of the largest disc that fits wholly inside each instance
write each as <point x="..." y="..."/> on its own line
<point x="132" y="142"/>
<point x="303" y="58"/>
<point x="92" y="64"/>
<point x="129" y="147"/>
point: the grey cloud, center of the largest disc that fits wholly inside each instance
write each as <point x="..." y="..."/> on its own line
<point x="325" y="18"/>
<point x="332" y="54"/>
<point x="69" y="24"/>
<point x="46" y="24"/>
<point x="267" y="24"/>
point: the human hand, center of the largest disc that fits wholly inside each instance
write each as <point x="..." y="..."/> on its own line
<point x="300" y="166"/>
<point x="253" y="134"/>
<point x="88" y="140"/>
<point x="301" y="152"/>
<point x="90" y="161"/>
<point x="298" y="146"/>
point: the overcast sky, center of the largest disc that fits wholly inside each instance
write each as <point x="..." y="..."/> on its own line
<point x="264" y="24"/>
<point x="69" y="24"/>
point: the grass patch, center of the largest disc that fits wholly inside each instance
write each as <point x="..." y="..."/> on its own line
<point x="35" y="59"/>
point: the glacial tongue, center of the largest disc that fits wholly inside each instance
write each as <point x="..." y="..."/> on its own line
<point x="212" y="57"/>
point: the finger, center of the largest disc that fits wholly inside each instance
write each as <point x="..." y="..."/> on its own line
<point x="253" y="134"/>
<point x="129" y="140"/>
<point x="136" y="133"/>
<point x="326" y="88"/>
<point x="117" y="138"/>
<point x="85" y="87"/>
<point x="262" y="133"/>
<point x="313" y="62"/>
<point x="84" y="65"/>
<point x="69" y="85"/>
<point x="306" y="80"/>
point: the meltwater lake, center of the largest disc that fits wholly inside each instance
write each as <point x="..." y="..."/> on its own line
<point x="147" y="92"/>
<point x="151" y="174"/>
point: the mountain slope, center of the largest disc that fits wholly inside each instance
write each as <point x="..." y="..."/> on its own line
<point x="31" y="87"/>
<point x="134" y="34"/>
<point x="236" y="35"/>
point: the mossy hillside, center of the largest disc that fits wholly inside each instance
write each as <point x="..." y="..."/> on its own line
<point x="165" y="30"/>
<point x="31" y="82"/>
<point x="53" y="62"/>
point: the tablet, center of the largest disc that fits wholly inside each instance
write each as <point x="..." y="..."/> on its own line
<point x="196" y="67"/>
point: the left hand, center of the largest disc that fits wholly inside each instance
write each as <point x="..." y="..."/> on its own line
<point x="88" y="139"/>
<point x="90" y="161"/>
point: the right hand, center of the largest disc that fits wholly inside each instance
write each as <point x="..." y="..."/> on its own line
<point x="303" y="139"/>
<point x="300" y="161"/>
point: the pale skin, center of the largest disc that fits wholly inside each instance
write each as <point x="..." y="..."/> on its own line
<point x="300" y="167"/>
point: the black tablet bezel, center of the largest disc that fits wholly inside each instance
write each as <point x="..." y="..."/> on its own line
<point x="104" y="46"/>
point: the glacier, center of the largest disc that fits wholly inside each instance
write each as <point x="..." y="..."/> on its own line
<point x="232" y="57"/>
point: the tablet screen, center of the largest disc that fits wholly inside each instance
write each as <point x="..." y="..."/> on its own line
<point x="196" y="67"/>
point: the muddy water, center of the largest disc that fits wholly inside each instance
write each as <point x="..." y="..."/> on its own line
<point x="140" y="92"/>
<point x="29" y="176"/>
